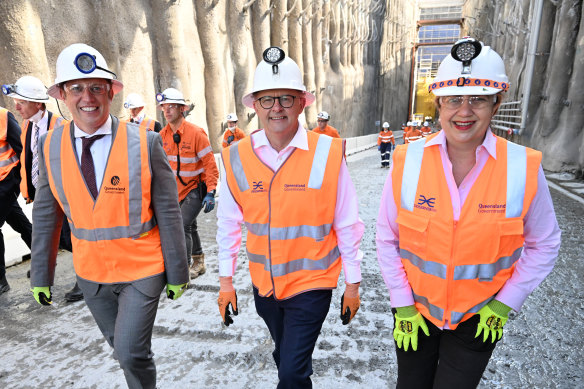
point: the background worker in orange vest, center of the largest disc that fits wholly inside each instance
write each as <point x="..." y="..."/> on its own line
<point x="409" y="127"/>
<point x="426" y="130"/>
<point x="123" y="210"/>
<point x="466" y="229"/>
<point x="10" y="211"/>
<point x="232" y="133"/>
<point x="191" y="158"/>
<point x="385" y="142"/>
<point x="323" y="127"/>
<point x="292" y="189"/>
<point x="414" y="133"/>
<point x="135" y="105"/>
<point x="30" y="98"/>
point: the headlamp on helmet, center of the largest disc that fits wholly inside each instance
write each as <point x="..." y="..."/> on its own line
<point x="86" y="63"/>
<point x="160" y="97"/>
<point x="465" y="50"/>
<point x="8" y="89"/>
<point x="274" y="55"/>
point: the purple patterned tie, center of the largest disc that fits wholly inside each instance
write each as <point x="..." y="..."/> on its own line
<point x="87" y="168"/>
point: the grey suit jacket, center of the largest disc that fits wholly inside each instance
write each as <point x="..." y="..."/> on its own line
<point x="47" y="218"/>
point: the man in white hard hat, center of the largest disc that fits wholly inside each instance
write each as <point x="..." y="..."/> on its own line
<point x="192" y="161"/>
<point x="30" y="98"/>
<point x="232" y="133"/>
<point x="466" y="229"/>
<point x="385" y="141"/>
<point x="115" y="186"/>
<point x="323" y="127"/>
<point x="135" y="105"/>
<point x="292" y="189"/>
<point x="426" y="130"/>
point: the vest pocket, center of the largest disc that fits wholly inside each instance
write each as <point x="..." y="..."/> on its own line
<point x="413" y="231"/>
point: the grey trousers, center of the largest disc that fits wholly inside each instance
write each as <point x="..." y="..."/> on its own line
<point x="125" y="316"/>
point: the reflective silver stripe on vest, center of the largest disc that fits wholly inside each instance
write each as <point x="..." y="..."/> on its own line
<point x="486" y="271"/>
<point x="411" y="175"/>
<point x="136" y="228"/>
<point x="516" y="178"/>
<point x="319" y="162"/>
<point x="237" y="167"/>
<point x="456" y="317"/>
<point x="173" y="158"/>
<point x="428" y="267"/>
<point x="188" y="173"/>
<point x="296" y="264"/>
<point x="9" y="161"/>
<point x="283" y="233"/>
<point x="435" y="311"/>
<point x="5" y="148"/>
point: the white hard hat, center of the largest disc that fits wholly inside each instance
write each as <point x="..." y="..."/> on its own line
<point x="80" y="61"/>
<point x="231" y="117"/>
<point x="426" y="124"/>
<point x="170" y="96"/>
<point x="385" y="125"/>
<point x="323" y="115"/>
<point x="409" y="123"/>
<point x="134" y="100"/>
<point x="276" y="71"/>
<point x="27" y="88"/>
<point x="470" y="69"/>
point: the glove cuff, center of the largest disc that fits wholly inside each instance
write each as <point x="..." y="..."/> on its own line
<point x="407" y="312"/>
<point x="499" y="308"/>
<point x="226" y="284"/>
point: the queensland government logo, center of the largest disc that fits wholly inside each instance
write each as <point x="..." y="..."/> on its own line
<point x="294" y="187"/>
<point x="258" y="187"/>
<point x="115" y="181"/>
<point x="426" y="203"/>
<point x="491" y="208"/>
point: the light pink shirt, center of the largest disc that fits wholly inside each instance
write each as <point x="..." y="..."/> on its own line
<point x="347" y="224"/>
<point x="541" y="231"/>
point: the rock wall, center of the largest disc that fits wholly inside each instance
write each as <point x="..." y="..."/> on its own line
<point x="355" y="54"/>
<point x="556" y="105"/>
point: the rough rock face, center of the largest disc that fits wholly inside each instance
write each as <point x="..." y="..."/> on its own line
<point x="355" y="54"/>
<point x="556" y="104"/>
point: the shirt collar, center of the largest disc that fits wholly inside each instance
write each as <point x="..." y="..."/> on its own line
<point x="38" y="117"/>
<point x="489" y="144"/>
<point x="300" y="140"/>
<point x="105" y="129"/>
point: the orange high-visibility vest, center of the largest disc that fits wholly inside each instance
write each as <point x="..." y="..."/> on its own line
<point x="426" y="131"/>
<point x="147" y="124"/>
<point x="291" y="245"/>
<point x="414" y="135"/>
<point x="237" y="136"/>
<point x="8" y="157"/>
<point x="456" y="267"/>
<point x="56" y="121"/>
<point x="328" y="130"/>
<point x="385" y="137"/>
<point x="115" y="239"/>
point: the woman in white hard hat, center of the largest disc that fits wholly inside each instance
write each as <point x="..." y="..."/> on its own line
<point x="232" y="133"/>
<point x="468" y="235"/>
<point x="385" y="142"/>
<point x="135" y="105"/>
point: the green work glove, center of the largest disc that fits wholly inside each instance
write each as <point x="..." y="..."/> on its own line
<point x="493" y="317"/>
<point x="407" y="322"/>
<point x="173" y="292"/>
<point x="42" y="295"/>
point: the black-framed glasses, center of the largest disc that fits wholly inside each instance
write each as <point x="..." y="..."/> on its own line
<point x="286" y="101"/>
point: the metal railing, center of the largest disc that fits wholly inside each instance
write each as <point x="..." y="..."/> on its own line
<point x="507" y="121"/>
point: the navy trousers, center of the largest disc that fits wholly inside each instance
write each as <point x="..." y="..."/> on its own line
<point x="445" y="359"/>
<point x="11" y="213"/>
<point x="385" y="150"/>
<point x="294" y="325"/>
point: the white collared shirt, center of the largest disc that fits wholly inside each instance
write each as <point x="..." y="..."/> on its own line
<point x="99" y="149"/>
<point x="41" y="119"/>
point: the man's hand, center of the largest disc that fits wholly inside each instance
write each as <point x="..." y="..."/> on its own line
<point x="407" y="322"/>
<point x="42" y="295"/>
<point x="493" y="317"/>
<point x="173" y="292"/>
<point x="209" y="202"/>
<point x="350" y="302"/>
<point x="227" y="296"/>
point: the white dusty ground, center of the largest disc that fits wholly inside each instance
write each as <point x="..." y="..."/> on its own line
<point x="61" y="347"/>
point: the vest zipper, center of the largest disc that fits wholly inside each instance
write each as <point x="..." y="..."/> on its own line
<point x="450" y="275"/>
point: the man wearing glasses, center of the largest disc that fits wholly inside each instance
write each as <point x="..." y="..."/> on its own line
<point x="115" y="186"/>
<point x="292" y="189"/>
<point x="323" y="127"/>
<point x="193" y="164"/>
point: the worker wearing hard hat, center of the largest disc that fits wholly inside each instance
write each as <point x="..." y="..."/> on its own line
<point x="292" y="189"/>
<point x="409" y="127"/>
<point x="414" y="133"/>
<point x="10" y="211"/>
<point x="385" y="142"/>
<point x="135" y="105"/>
<point x="123" y="208"/>
<point x="323" y="127"/>
<point x="191" y="158"/>
<point x="466" y="228"/>
<point x="30" y="98"/>
<point x="232" y="133"/>
<point x="426" y="130"/>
